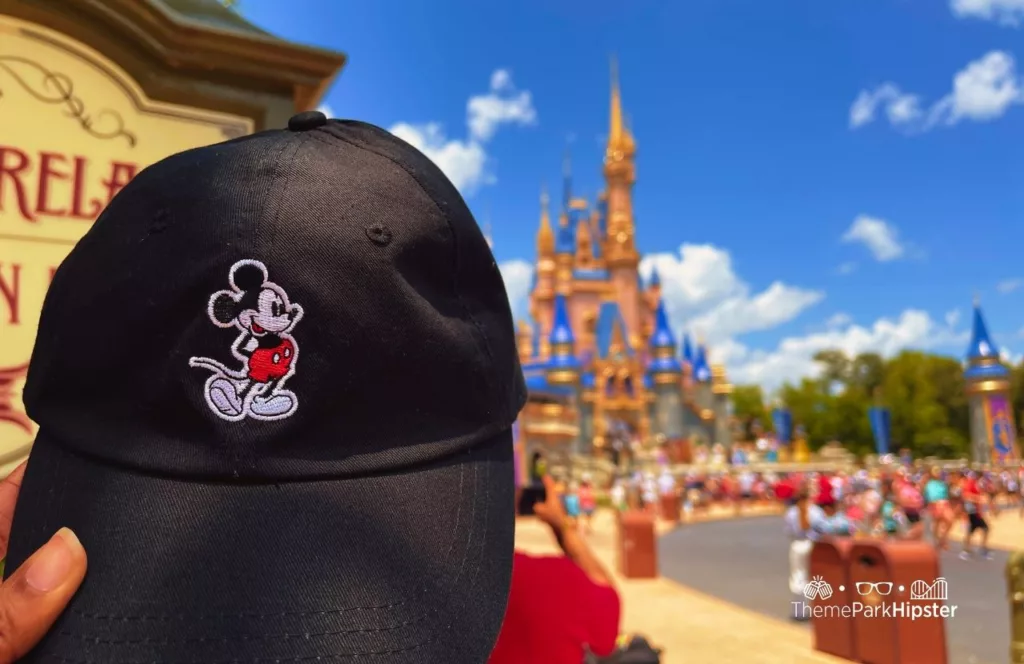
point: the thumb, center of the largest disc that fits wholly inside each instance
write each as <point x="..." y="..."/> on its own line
<point x="36" y="594"/>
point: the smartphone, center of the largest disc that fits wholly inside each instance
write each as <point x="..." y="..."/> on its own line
<point x="530" y="496"/>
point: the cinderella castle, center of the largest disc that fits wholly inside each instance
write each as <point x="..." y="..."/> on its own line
<point x="602" y="364"/>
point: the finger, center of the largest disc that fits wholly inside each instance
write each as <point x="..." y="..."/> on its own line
<point x="9" y="489"/>
<point x="34" y="596"/>
<point x="549" y="484"/>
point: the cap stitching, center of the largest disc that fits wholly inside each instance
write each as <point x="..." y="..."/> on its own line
<point x="451" y="231"/>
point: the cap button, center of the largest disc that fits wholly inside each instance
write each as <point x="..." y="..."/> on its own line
<point x="307" y="120"/>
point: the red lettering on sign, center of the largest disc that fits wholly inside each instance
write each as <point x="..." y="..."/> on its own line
<point x="13" y="164"/>
<point x="120" y="175"/>
<point x="78" y="210"/>
<point x="10" y="291"/>
<point x="60" y="183"/>
<point x="47" y="173"/>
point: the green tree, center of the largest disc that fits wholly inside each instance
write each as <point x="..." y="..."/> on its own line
<point x="748" y="405"/>
<point x="924" y="393"/>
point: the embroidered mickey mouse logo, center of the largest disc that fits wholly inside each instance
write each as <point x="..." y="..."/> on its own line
<point x="264" y="316"/>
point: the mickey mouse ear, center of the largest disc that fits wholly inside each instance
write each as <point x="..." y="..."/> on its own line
<point x="248" y="275"/>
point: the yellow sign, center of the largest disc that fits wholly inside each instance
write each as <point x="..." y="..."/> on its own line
<point x="76" y="129"/>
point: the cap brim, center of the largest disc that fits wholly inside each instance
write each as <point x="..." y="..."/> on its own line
<point x="412" y="566"/>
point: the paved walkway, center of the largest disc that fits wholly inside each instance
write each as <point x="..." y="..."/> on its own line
<point x="688" y="625"/>
<point x="691" y="626"/>
<point x="1007" y="531"/>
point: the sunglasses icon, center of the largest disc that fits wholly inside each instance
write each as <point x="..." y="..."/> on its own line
<point x="882" y="587"/>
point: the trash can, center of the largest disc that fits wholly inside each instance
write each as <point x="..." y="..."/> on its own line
<point x="638" y="546"/>
<point x="900" y="603"/>
<point x="670" y="507"/>
<point x="831" y="617"/>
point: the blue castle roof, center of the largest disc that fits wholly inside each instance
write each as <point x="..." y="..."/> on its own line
<point x="608" y="317"/>
<point x="981" y="346"/>
<point x="594" y="274"/>
<point x="561" y="328"/>
<point x="655" y="279"/>
<point x="663" y="339"/>
<point x="565" y="238"/>
<point x="687" y="350"/>
<point x="982" y="353"/>
<point x="701" y="370"/>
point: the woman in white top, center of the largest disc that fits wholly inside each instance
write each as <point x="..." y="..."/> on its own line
<point x="801" y="520"/>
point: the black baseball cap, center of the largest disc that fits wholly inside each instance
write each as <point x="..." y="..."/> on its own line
<point x="275" y="384"/>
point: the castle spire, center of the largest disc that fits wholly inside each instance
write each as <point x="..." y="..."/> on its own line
<point x="664" y="364"/>
<point x="584" y="244"/>
<point x="546" y="234"/>
<point x="620" y="140"/>
<point x="563" y="365"/>
<point x="566" y="181"/>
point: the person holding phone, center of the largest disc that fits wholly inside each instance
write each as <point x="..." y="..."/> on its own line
<point x="559" y="607"/>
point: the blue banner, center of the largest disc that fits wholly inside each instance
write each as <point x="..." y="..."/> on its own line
<point x="881" y="427"/>
<point x="782" y="419"/>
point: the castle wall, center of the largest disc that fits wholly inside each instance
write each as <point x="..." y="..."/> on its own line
<point x="583" y="307"/>
<point x="667" y="412"/>
<point x="627" y="294"/>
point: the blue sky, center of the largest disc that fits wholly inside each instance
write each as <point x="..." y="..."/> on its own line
<point x="767" y="133"/>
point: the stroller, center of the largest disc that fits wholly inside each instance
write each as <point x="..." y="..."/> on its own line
<point x="638" y="651"/>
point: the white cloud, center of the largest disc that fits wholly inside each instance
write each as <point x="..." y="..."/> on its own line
<point x="1009" y="285"/>
<point x="899" y="107"/>
<point x="982" y="91"/>
<point x="838" y="320"/>
<point x="846" y="268"/>
<point x="879" y="236"/>
<point x="518" y="277"/>
<point x="465" y="161"/>
<point x="326" y="110"/>
<point x="1005" y="12"/>
<point x="793" y="357"/>
<point x="703" y="294"/>
<point x="502" y="105"/>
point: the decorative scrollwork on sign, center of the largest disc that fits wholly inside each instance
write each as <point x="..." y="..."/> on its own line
<point x="50" y="87"/>
<point x="8" y="413"/>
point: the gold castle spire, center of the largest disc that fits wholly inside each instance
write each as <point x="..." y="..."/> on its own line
<point x="545" y="236"/>
<point x="584" y="248"/>
<point x="620" y="142"/>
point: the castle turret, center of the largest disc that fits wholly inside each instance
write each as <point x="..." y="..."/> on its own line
<point x="702" y="381"/>
<point x="620" y="246"/>
<point x="993" y="438"/>
<point x="563" y="366"/>
<point x="524" y="342"/>
<point x="543" y="294"/>
<point x="563" y="369"/>
<point x="665" y="371"/>
<point x="584" y="240"/>
<point x="721" y="401"/>
<point x="565" y="239"/>
<point x="686" y="351"/>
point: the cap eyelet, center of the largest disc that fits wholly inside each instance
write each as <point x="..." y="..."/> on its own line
<point x="379" y="235"/>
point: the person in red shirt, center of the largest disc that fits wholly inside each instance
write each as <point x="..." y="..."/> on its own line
<point x="785" y="490"/>
<point x="974" y="504"/>
<point x="559" y="607"/>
